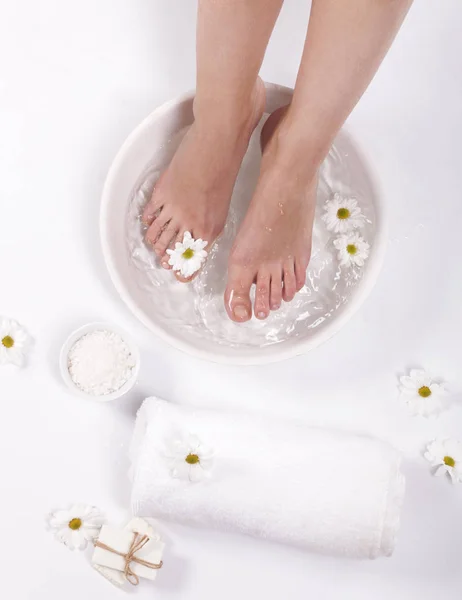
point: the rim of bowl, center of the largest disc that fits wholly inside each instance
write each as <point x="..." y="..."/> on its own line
<point x="76" y="335"/>
<point x="254" y="356"/>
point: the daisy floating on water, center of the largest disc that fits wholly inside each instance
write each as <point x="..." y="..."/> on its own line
<point x="188" y="256"/>
<point x="14" y="341"/>
<point x="190" y="459"/>
<point x="446" y="457"/>
<point x="352" y="249"/>
<point x="76" y="526"/>
<point x="423" y="396"/>
<point x="342" y="214"/>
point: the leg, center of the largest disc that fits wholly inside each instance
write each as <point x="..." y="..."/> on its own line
<point x="345" y="44"/>
<point x="194" y="192"/>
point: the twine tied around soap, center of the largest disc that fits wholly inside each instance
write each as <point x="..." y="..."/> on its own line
<point x="139" y="541"/>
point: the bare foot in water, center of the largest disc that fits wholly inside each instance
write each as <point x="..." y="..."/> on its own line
<point x="273" y="246"/>
<point x="194" y="192"/>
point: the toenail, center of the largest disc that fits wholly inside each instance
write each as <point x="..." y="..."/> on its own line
<point x="241" y="312"/>
<point x="261" y="315"/>
<point x="165" y="264"/>
<point x="276" y="306"/>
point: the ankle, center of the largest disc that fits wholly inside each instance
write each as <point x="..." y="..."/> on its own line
<point x="296" y="159"/>
<point x="230" y="116"/>
<point x="297" y="147"/>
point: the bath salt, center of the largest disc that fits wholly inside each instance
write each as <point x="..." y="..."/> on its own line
<point x="100" y="362"/>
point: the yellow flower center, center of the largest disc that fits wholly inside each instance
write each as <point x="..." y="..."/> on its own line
<point x="188" y="253"/>
<point x="425" y="391"/>
<point x="75" y="524"/>
<point x="449" y="461"/>
<point x="8" y="341"/>
<point x="192" y="459"/>
<point x="343" y="213"/>
<point x="351" y="249"/>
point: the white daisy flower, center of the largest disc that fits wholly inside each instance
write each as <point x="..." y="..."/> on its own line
<point x="76" y="526"/>
<point x="190" y="459"/>
<point x="14" y="341"/>
<point x="423" y="396"/>
<point x="342" y="214"/>
<point x="188" y="255"/>
<point x="352" y="249"/>
<point x="446" y="457"/>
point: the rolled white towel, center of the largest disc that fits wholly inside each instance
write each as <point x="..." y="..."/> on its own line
<point x="325" y="491"/>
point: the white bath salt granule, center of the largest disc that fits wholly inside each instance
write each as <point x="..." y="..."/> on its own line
<point x="100" y="363"/>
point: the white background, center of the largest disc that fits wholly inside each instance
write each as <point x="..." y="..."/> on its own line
<point x="75" y="79"/>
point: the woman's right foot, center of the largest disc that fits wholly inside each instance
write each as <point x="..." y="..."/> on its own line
<point x="273" y="246"/>
<point x="194" y="192"/>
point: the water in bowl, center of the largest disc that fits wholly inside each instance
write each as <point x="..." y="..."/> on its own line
<point x="199" y="305"/>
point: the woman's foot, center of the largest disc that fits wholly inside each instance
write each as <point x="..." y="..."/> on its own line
<point x="273" y="246"/>
<point x="194" y="192"/>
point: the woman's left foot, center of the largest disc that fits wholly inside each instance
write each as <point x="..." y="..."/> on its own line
<point x="273" y="246"/>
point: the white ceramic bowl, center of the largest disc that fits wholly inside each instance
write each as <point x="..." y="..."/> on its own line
<point x="135" y="154"/>
<point x="76" y="335"/>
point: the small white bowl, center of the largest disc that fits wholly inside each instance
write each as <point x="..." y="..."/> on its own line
<point x="76" y="335"/>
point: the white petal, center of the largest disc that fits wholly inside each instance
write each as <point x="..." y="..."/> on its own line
<point x="58" y="519"/>
<point x="437" y="389"/>
<point x="4" y="360"/>
<point x="94" y="521"/>
<point x="408" y="382"/>
<point x="77" y="511"/>
<point x="420" y="377"/>
<point x="432" y="459"/>
<point x="193" y="442"/>
<point x="206" y="463"/>
<point x="181" y="469"/>
<point x="90" y="533"/>
<point x="78" y="540"/>
<point x="458" y="473"/>
<point x="441" y="470"/>
<point x="437" y="449"/>
<point x="206" y="452"/>
<point x="429" y="406"/>
<point x="196" y="473"/>
<point x="453" y="448"/>
<point x="64" y="536"/>
<point x="453" y="475"/>
<point x="410" y="394"/>
<point x="15" y="356"/>
<point x="414" y="407"/>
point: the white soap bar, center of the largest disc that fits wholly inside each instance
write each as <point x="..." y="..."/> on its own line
<point x="140" y="526"/>
<point x="112" y="565"/>
<point x="115" y="577"/>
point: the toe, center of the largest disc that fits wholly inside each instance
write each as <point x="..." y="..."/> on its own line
<point x="237" y="294"/>
<point x="149" y="213"/>
<point x="156" y="228"/>
<point x="290" y="287"/>
<point x="153" y="206"/>
<point x="300" y="274"/>
<point x="164" y="261"/>
<point x="262" y="296"/>
<point x="276" y="289"/>
<point x="168" y="233"/>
